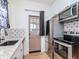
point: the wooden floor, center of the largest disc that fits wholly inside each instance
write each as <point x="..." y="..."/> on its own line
<point x="37" y="56"/>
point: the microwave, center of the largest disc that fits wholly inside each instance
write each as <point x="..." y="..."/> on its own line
<point x="69" y="13"/>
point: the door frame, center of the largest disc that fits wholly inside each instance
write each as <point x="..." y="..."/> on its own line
<point x="29" y="34"/>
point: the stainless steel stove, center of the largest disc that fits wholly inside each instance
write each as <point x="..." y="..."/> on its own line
<point x="67" y="47"/>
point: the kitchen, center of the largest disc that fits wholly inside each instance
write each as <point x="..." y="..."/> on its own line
<point x="61" y="41"/>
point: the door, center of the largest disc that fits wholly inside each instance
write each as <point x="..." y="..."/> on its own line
<point x="34" y="37"/>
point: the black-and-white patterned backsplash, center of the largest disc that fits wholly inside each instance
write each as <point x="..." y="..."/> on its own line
<point x="71" y="28"/>
<point x="15" y="33"/>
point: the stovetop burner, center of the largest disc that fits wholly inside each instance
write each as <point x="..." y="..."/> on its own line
<point x="73" y="40"/>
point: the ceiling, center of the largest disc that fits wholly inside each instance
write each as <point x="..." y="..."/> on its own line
<point x="48" y="2"/>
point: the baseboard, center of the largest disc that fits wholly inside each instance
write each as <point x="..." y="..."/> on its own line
<point x="35" y="51"/>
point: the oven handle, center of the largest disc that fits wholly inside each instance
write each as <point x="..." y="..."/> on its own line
<point x="64" y="44"/>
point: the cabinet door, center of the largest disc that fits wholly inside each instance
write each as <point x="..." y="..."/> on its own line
<point x="20" y="52"/>
<point x="15" y="55"/>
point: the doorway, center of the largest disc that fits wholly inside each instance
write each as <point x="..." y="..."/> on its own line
<point x="34" y="34"/>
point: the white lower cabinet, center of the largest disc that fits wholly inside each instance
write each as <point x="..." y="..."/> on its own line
<point x="18" y="53"/>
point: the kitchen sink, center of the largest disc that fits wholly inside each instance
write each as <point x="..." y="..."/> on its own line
<point x="7" y="43"/>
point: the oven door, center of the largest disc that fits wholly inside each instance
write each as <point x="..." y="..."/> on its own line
<point x="61" y="50"/>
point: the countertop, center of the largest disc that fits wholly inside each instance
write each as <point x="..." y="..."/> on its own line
<point x="6" y="52"/>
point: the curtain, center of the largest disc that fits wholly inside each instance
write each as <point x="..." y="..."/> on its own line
<point x="4" y="21"/>
<point x="42" y="30"/>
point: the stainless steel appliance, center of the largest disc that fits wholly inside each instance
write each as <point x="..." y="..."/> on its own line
<point x="62" y="49"/>
<point x="69" y="13"/>
<point x="67" y="47"/>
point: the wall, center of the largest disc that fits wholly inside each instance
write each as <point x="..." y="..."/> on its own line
<point x="18" y="17"/>
<point x="57" y="6"/>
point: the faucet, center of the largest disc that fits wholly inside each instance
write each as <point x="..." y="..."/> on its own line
<point x="3" y="33"/>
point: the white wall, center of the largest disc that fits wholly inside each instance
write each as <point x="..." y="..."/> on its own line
<point x="57" y="7"/>
<point x="18" y="17"/>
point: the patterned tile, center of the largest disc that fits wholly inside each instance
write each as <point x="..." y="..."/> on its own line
<point x="72" y="27"/>
<point x="15" y="33"/>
